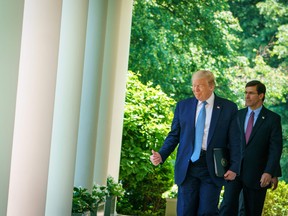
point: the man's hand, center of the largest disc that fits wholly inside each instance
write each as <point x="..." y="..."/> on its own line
<point x="229" y="175"/>
<point x="155" y="158"/>
<point x="265" y="180"/>
<point x="274" y="182"/>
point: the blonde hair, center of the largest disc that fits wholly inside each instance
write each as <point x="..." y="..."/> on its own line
<point x="204" y="74"/>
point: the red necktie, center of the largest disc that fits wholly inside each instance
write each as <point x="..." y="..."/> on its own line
<point x="249" y="126"/>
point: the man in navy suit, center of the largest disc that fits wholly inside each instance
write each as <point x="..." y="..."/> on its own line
<point x="261" y="154"/>
<point x="198" y="186"/>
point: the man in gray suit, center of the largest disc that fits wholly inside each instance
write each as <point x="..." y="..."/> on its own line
<point x="261" y="134"/>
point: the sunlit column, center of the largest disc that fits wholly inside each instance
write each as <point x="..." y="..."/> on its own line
<point x="96" y="25"/>
<point x="11" y="17"/>
<point x="34" y="108"/>
<point x="112" y="94"/>
<point x="67" y="107"/>
<point x="103" y="95"/>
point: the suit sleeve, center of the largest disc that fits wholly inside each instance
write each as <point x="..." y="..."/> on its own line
<point x="235" y="146"/>
<point x="275" y="147"/>
<point x="278" y="172"/>
<point x="172" y="138"/>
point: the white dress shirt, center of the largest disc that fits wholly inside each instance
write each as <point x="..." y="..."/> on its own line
<point x="209" y="108"/>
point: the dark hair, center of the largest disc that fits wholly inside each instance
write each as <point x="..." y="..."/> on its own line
<point x="260" y="87"/>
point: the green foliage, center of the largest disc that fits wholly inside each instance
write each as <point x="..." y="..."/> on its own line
<point x="238" y="40"/>
<point x="147" y="118"/>
<point x="276" y="201"/>
<point x="114" y="188"/>
<point x="284" y="159"/>
<point x="275" y="80"/>
<point x="275" y="14"/>
<point x="82" y="200"/>
<point x="264" y="32"/>
<point x="147" y="197"/>
<point x="281" y="45"/>
<point x="171" y="193"/>
<point x="255" y="37"/>
<point x="283" y="110"/>
<point x="98" y="194"/>
<point x="175" y="38"/>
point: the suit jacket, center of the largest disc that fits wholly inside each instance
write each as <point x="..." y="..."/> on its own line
<point x="263" y="151"/>
<point x="223" y="132"/>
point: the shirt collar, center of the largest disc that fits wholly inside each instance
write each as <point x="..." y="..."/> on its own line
<point x="256" y="111"/>
<point x="210" y="100"/>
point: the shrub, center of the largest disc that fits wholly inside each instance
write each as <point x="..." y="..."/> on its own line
<point x="114" y="188"/>
<point x="147" y="118"/>
<point x="82" y="200"/>
<point x="171" y="193"/>
<point x="99" y="194"/>
<point x="276" y="202"/>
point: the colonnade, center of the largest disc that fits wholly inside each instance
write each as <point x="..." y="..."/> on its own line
<point x="63" y="66"/>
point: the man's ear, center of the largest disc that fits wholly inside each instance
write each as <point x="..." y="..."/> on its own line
<point x="261" y="96"/>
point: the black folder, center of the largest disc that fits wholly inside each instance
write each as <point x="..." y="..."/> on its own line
<point x="221" y="161"/>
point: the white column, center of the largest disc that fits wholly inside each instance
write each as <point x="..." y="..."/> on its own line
<point x="90" y="92"/>
<point x="103" y="95"/>
<point x="123" y="31"/>
<point x="11" y="17"/>
<point x="34" y="108"/>
<point x="45" y="123"/>
<point x="113" y="85"/>
<point x="67" y="107"/>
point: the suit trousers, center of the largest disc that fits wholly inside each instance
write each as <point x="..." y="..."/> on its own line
<point x="253" y="199"/>
<point x="198" y="195"/>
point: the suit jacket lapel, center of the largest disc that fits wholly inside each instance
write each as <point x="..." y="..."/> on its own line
<point x="217" y="107"/>
<point x="193" y="106"/>
<point x="261" y="118"/>
<point x="242" y="116"/>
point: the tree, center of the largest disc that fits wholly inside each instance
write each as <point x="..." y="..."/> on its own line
<point x="274" y="79"/>
<point x="264" y="27"/>
<point x="275" y="12"/>
<point x="238" y="40"/>
<point x="172" y="39"/>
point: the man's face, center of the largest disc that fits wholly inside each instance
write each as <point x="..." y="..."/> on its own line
<point x="201" y="89"/>
<point x="252" y="98"/>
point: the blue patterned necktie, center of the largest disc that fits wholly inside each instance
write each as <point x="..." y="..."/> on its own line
<point x="199" y="132"/>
